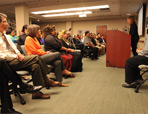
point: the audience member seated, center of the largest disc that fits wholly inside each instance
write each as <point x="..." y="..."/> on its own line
<point x="33" y="47"/>
<point x="78" y="43"/>
<point x="132" y="72"/>
<point x="102" y="40"/>
<point x="98" y="37"/>
<point x="102" y="45"/>
<point x="70" y="40"/>
<point x="22" y="38"/>
<point x="77" y="58"/>
<point x="93" y="40"/>
<point x="11" y="33"/>
<point x="53" y="44"/>
<point x="89" y="45"/>
<point x="39" y="38"/>
<point x="6" y="75"/>
<point x="17" y="61"/>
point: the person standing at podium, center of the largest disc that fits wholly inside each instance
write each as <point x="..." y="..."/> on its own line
<point x="134" y="34"/>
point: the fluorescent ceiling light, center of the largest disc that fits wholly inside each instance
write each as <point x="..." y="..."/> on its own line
<point x="72" y="9"/>
<point x="83" y="15"/>
<point x="68" y="14"/>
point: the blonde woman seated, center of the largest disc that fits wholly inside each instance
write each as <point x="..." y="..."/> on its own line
<point x="33" y="47"/>
<point x="77" y="58"/>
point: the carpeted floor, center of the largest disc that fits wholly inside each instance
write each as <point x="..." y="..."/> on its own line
<point x="96" y="90"/>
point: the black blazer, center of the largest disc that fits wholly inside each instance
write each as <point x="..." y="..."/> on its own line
<point x="134" y="31"/>
<point x="52" y="43"/>
<point x="64" y="44"/>
<point x="22" y="39"/>
<point x="93" y="41"/>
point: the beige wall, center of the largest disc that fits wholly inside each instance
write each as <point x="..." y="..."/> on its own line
<point x="59" y="26"/>
<point x="90" y="25"/>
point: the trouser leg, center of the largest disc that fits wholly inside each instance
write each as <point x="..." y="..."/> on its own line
<point x="11" y="74"/>
<point x="134" y="47"/>
<point x="95" y="52"/>
<point x="132" y="72"/>
<point x="33" y="64"/>
<point x="50" y="58"/>
<point x="54" y="59"/>
<point x="6" y="101"/>
<point x="57" y="70"/>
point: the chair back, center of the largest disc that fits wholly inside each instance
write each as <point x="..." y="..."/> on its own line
<point x="42" y="47"/>
<point x="23" y="49"/>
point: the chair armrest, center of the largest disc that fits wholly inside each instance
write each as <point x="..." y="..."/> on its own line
<point x="143" y="66"/>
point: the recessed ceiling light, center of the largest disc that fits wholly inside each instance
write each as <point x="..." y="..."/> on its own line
<point x="72" y="9"/>
<point x="68" y="14"/>
<point x="38" y="20"/>
<point x="128" y="14"/>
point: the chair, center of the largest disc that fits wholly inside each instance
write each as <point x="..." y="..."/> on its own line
<point x="143" y="69"/>
<point x="13" y="89"/>
<point x="88" y="52"/>
<point x="23" y="49"/>
<point x="43" y="48"/>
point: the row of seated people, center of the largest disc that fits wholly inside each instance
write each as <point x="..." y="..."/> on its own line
<point x="72" y="60"/>
<point x="75" y="42"/>
<point x="95" y="43"/>
<point x="36" y="60"/>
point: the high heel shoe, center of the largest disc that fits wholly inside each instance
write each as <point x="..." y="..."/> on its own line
<point x="69" y="76"/>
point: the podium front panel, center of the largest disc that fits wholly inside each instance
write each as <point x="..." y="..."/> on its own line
<point x="118" y="48"/>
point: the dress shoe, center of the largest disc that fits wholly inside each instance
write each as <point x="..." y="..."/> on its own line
<point x="132" y="85"/>
<point x="63" y="85"/>
<point x="69" y="76"/>
<point x="40" y="95"/>
<point x="9" y="111"/>
<point x="27" y="88"/>
<point x="51" y="83"/>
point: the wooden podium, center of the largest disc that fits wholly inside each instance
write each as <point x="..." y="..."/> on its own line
<point x="118" y="48"/>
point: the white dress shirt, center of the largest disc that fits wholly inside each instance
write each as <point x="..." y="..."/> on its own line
<point x="4" y="52"/>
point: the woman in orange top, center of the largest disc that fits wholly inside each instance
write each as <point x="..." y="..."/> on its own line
<point x="33" y="47"/>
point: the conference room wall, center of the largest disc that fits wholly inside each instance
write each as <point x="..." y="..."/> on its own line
<point x="59" y="25"/>
<point x="90" y="25"/>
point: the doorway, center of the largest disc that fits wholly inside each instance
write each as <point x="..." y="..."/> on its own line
<point x="102" y="29"/>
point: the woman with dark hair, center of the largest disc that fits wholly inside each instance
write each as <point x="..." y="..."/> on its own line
<point x="134" y="34"/>
<point x="11" y="33"/>
<point x="22" y="38"/>
<point x="53" y="44"/>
